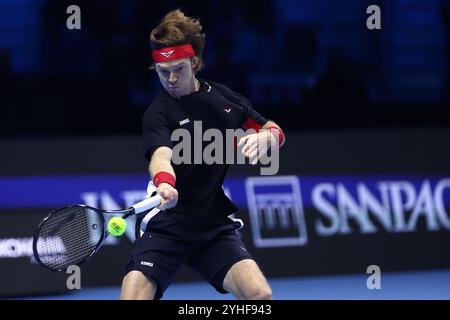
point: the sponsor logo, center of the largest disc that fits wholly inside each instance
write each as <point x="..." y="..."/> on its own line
<point x="168" y="53"/>
<point x="342" y="207"/>
<point x="23" y="248"/>
<point x="276" y="213"/>
<point x="390" y="206"/>
<point x="184" y="121"/>
<point x="146" y="263"/>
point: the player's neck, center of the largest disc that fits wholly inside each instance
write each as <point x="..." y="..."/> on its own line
<point x="195" y="87"/>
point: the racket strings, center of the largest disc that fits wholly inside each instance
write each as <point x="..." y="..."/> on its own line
<point x="69" y="236"/>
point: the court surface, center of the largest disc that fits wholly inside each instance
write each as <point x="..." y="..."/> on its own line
<point x="418" y="285"/>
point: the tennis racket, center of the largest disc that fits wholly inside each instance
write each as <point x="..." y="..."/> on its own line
<point x="72" y="235"/>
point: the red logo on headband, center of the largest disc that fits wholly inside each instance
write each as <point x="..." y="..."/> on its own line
<point x="173" y="53"/>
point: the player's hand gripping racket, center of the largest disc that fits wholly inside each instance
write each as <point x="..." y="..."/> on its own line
<point x="71" y="235"/>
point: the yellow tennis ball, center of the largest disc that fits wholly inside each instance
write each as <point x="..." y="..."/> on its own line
<point x="117" y="226"/>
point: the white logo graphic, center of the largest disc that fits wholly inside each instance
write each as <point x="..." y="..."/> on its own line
<point x="227" y="110"/>
<point x="213" y="146"/>
<point x="374" y="281"/>
<point x="168" y="53"/>
<point x="146" y="263"/>
<point x="74" y="20"/>
<point x="184" y="121"/>
<point x="374" y="21"/>
<point x="74" y="280"/>
<point x="277" y="217"/>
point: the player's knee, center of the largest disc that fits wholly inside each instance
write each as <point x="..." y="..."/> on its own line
<point x="260" y="293"/>
<point x="264" y="294"/>
<point x="136" y="286"/>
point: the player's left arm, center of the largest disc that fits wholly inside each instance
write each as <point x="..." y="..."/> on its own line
<point x="276" y="132"/>
<point x="269" y="136"/>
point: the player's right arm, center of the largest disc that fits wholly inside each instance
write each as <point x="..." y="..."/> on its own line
<point x="163" y="177"/>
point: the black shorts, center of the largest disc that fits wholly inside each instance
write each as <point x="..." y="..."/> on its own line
<point x="171" y="240"/>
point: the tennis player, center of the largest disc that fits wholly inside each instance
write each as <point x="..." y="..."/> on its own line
<point x="194" y="228"/>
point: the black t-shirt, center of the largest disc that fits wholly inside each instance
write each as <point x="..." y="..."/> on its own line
<point x="199" y="186"/>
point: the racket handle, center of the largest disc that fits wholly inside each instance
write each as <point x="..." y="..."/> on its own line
<point x="147" y="204"/>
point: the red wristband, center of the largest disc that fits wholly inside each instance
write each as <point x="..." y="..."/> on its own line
<point x="280" y="134"/>
<point x="252" y="124"/>
<point x="163" y="177"/>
